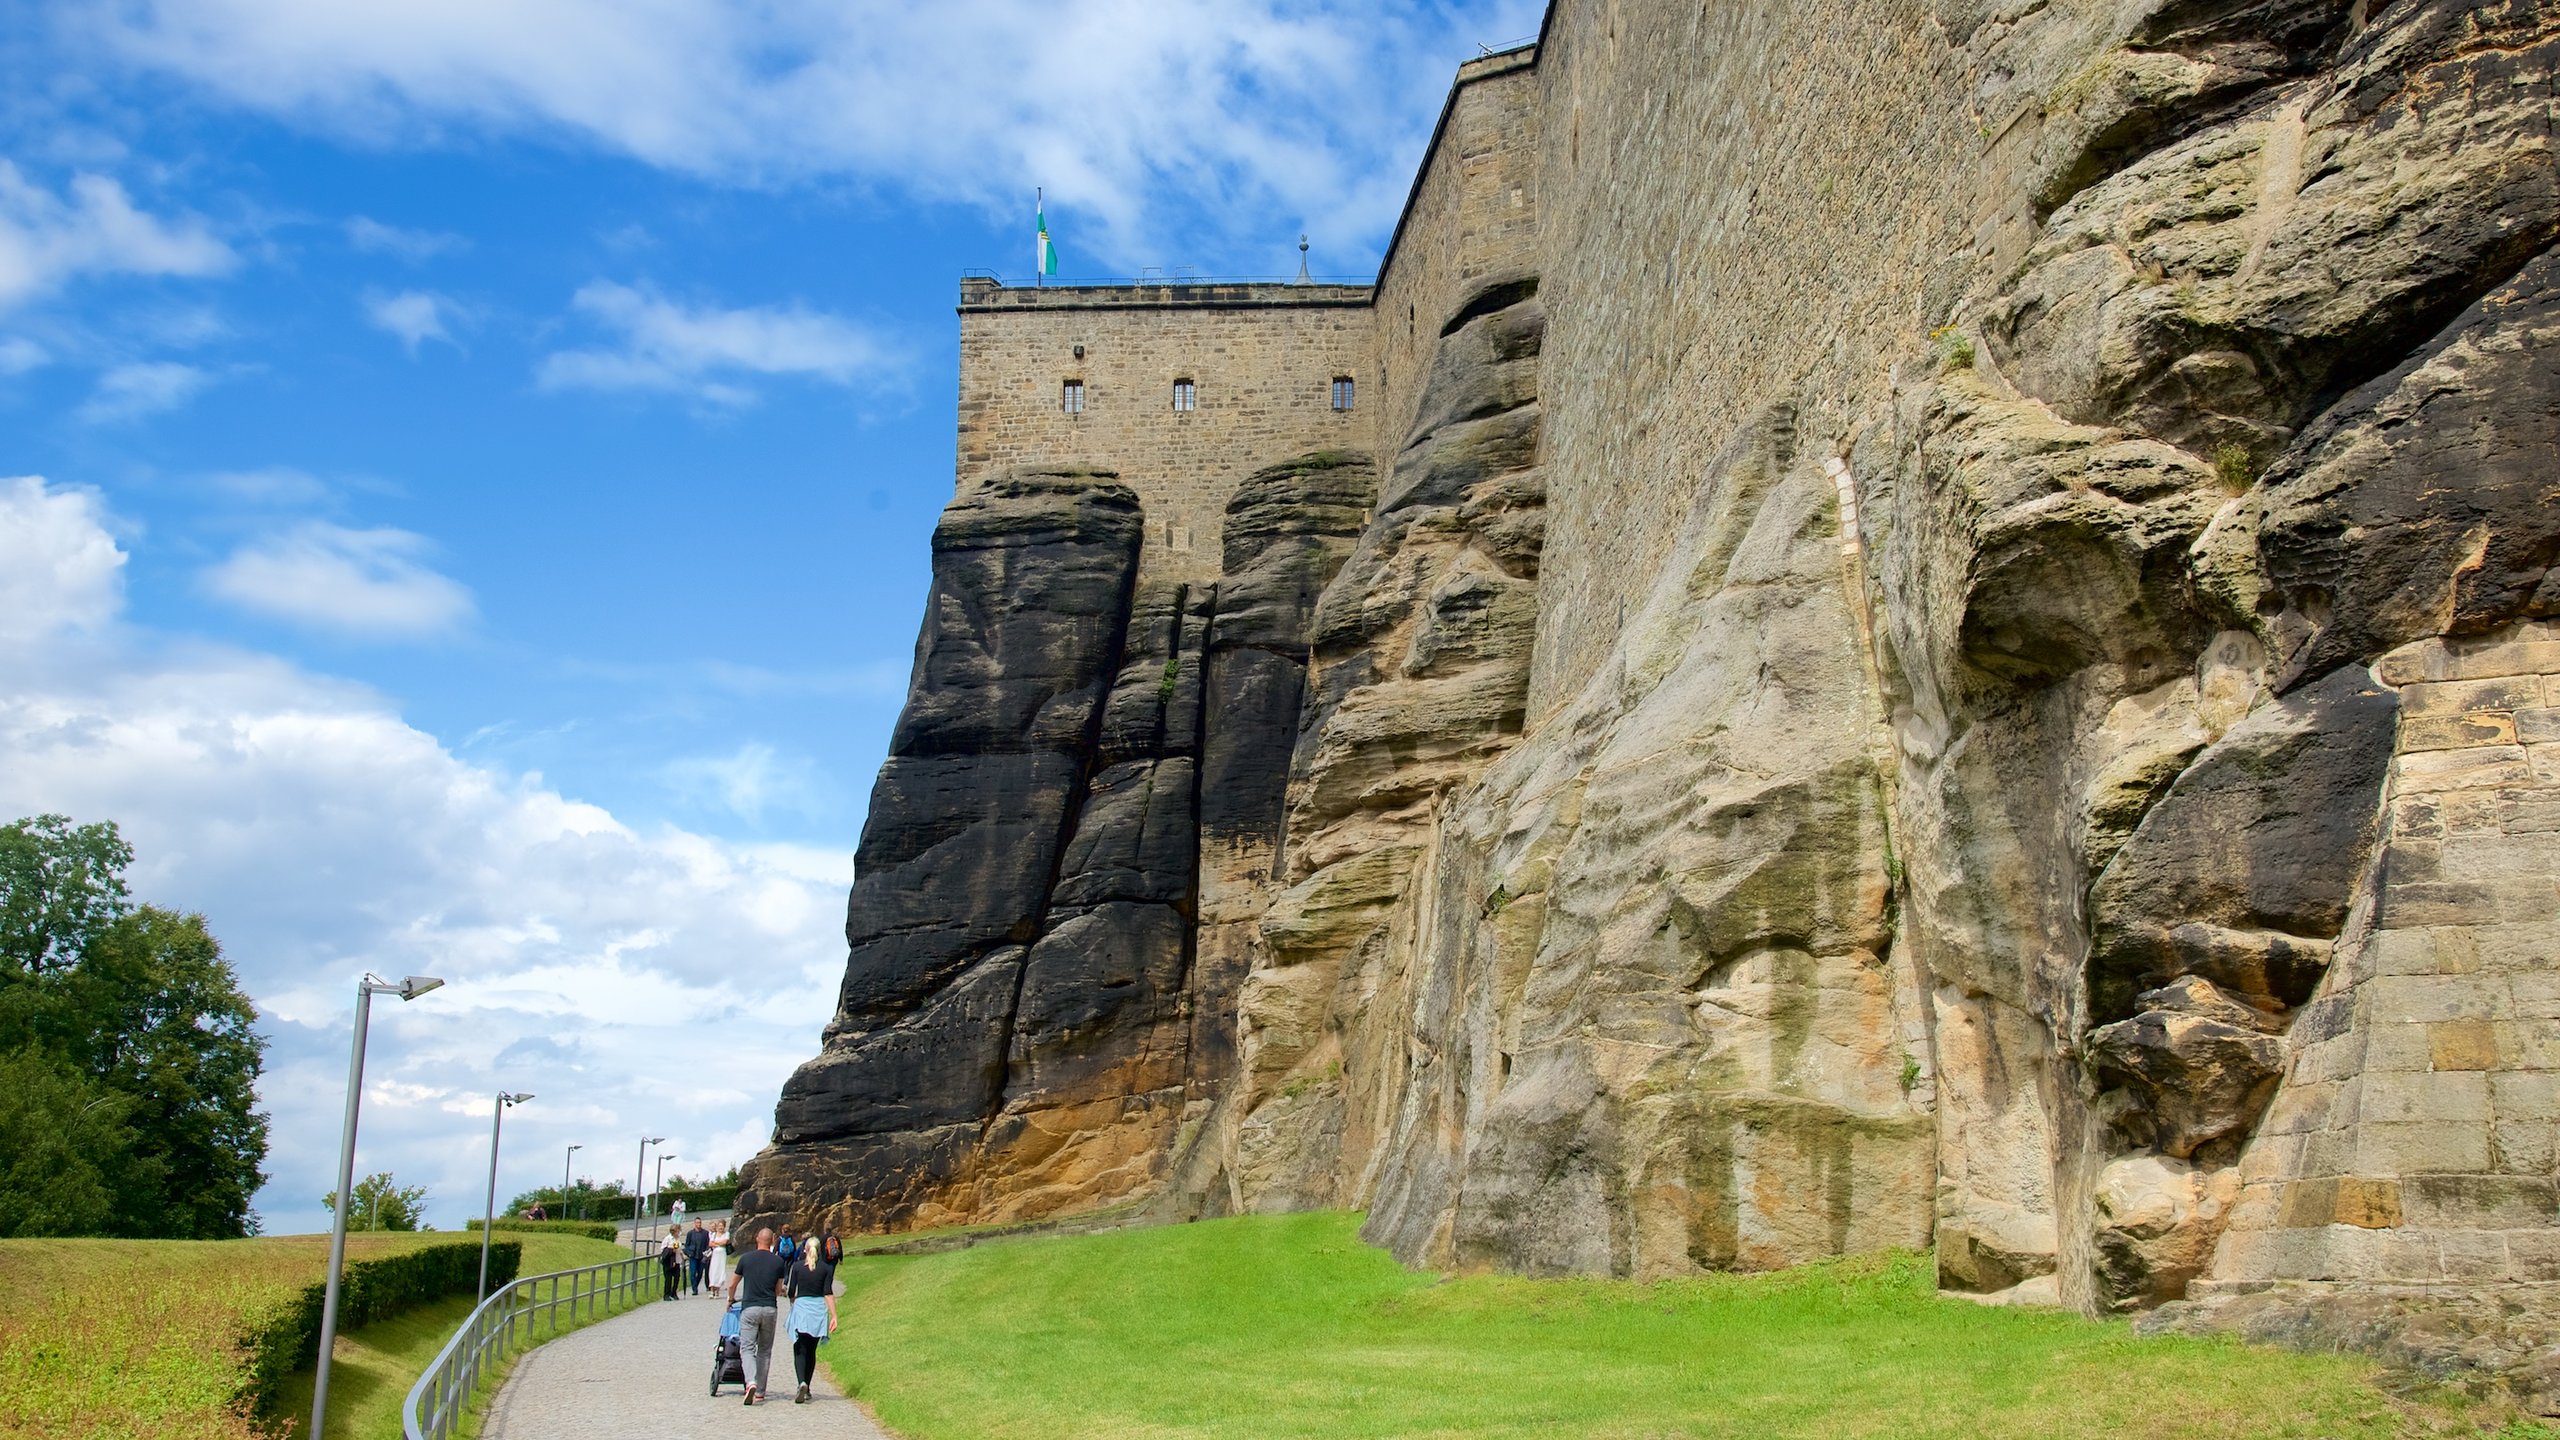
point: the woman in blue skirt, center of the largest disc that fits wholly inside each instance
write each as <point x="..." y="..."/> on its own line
<point x="813" y="1306"/>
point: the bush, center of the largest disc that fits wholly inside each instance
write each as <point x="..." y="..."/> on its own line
<point x="592" y="1229"/>
<point x="699" y="1197"/>
<point x="287" y="1336"/>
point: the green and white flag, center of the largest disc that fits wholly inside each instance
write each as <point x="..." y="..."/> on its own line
<point x="1045" y="261"/>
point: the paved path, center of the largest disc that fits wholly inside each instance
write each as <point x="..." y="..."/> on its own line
<point x="648" y="1372"/>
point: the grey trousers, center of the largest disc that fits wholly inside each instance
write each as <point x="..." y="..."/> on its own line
<point x="755" y="1337"/>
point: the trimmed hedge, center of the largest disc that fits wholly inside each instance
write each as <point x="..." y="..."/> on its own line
<point x="591" y="1229"/>
<point x="707" y="1197"/>
<point x="287" y="1336"/>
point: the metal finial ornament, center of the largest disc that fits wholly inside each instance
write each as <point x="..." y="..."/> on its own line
<point x="1303" y="277"/>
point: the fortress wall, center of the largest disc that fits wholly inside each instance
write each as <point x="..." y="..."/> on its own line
<point x="1263" y="357"/>
<point x="1473" y="216"/>
<point x="1747" y="203"/>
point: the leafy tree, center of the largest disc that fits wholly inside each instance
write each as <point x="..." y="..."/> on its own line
<point x="586" y="1200"/>
<point x="381" y="1203"/>
<point x="127" y="1047"/>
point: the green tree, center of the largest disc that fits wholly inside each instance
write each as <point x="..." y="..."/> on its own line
<point x="129" y="1051"/>
<point x="381" y="1203"/>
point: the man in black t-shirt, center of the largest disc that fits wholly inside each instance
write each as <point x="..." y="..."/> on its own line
<point x="759" y="1272"/>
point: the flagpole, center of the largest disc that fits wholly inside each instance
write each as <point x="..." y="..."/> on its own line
<point x="1040" y="207"/>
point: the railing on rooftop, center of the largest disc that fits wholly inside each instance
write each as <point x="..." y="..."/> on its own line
<point x="444" y="1394"/>
<point x="1152" y="278"/>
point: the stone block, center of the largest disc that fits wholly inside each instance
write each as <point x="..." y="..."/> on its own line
<point x="2525" y="1095"/>
<point x="2397" y="1045"/>
<point x="2483" y="661"/>
<point x="2539" y="725"/>
<point x="2544" y="760"/>
<point x="2409" y="1147"/>
<point x="2535" y="996"/>
<point x="2526" y="812"/>
<point x="2533" y="1256"/>
<point x="2467" y="902"/>
<point x="2487" y="767"/>
<point x="2461" y="1096"/>
<point x="2478" y="1202"/>
<point x="2469" y="812"/>
<point x="2428" y="700"/>
<point x="2418" y="817"/>
<point x="2524" y="1147"/>
<point x="2407" y="1258"/>
<point x="2415" y="664"/>
<point x="2363" y="1201"/>
<point x="2301" y="1108"/>
<point x="2473" y="1256"/>
<point x="2462" y="1045"/>
<point x="2402" y="952"/>
<point x="2457" y="732"/>
<point x="2429" y="997"/>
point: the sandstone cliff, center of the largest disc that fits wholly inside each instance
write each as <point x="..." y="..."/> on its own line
<point x="2043" y="748"/>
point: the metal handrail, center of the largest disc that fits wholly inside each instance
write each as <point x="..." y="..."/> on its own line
<point x="443" y="1395"/>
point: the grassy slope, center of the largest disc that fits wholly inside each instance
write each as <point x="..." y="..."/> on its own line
<point x="1288" y="1326"/>
<point x="372" y="1369"/>
<point x="106" y="1339"/>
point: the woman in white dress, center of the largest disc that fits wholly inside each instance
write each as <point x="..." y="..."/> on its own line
<point x="719" y="1256"/>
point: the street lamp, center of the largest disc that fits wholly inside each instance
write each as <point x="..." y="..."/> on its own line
<point x="657" y="1190"/>
<point x="564" y="1180"/>
<point x="489" y="1221"/>
<point x="371" y="985"/>
<point x="640" y="1184"/>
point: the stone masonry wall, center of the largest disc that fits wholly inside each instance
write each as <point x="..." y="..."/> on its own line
<point x="1746" y="200"/>
<point x="1262" y="356"/>
<point x="1473" y="217"/>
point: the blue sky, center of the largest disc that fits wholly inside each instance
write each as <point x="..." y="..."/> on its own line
<point x="475" y="462"/>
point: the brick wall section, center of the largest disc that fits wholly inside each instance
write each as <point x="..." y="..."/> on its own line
<point x="1745" y="203"/>
<point x="2415" y="1138"/>
<point x="1262" y="357"/>
<point x="1473" y="216"/>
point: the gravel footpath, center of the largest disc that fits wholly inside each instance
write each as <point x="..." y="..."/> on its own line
<point x="648" y="1372"/>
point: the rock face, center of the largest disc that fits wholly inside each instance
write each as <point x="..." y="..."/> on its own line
<point x="2072" y="785"/>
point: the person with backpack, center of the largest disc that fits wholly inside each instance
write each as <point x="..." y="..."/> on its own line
<point x="671" y="1264"/>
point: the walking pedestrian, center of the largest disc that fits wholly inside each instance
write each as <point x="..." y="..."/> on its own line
<point x="671" y="1264"/>
<point x="813" y="1307"/>
<point x="697" y="1256"/>
<point x="720" y="1248"/>
<point x="760" y="1274"/>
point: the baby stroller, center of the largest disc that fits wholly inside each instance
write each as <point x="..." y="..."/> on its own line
<point x="728" y="1363"/>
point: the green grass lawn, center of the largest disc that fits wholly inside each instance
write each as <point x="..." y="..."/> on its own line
<point x="371" y="1369"/>
<point x="1278" y="1326"/>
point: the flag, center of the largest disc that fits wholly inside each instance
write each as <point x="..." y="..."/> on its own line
<point x="1045" y="255"/>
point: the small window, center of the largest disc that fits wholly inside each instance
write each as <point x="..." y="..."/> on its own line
<point x="1071" y="397"/>
<point x="1184" y="396"/>
<point x="1341" y="392"/>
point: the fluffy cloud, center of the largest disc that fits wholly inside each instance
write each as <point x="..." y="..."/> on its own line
<point x="704" y="351"/>
<point x="354" y="582"/>
<point x="633" y="981"/>
<point x="1265" y="115"/>
<point x="415" y="316"/>
<point x="18" y="355"/>
<point x="60" y="571"/>
<point x="92" y="227"/>
<point x="746" y="782"/>
<point x="129" y="392"/>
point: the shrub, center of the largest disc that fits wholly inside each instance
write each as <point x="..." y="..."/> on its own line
<point x="287" y="1336"/>
<point x="591" y="1229"/>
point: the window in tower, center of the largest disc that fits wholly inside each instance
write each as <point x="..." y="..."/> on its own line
<point x="1341" y="392"/>
<point x="1184" y="396"/>
<point x="1071" y="397"/>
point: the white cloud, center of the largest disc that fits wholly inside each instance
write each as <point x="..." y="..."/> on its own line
<point x="1267" y="115"/>
<point x="273" y="485"/>
<point x="375" y="238"/>
<point x="129" y="392"/>
<point x="18" y="355"/>
<point x="415" y="316"/>
<point x="633" y="981"/>
<point x="92" y="228"/>
<point x="355" y="582"/>
<point x="59" y="568"/>
<point x="661" y="344"/>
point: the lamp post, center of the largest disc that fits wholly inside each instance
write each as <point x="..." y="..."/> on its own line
<point x="489" y="1220"/>
<point x="371" y="985"/>
<point x="564" y="1180"/>
<point x="639" y="1184"/>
